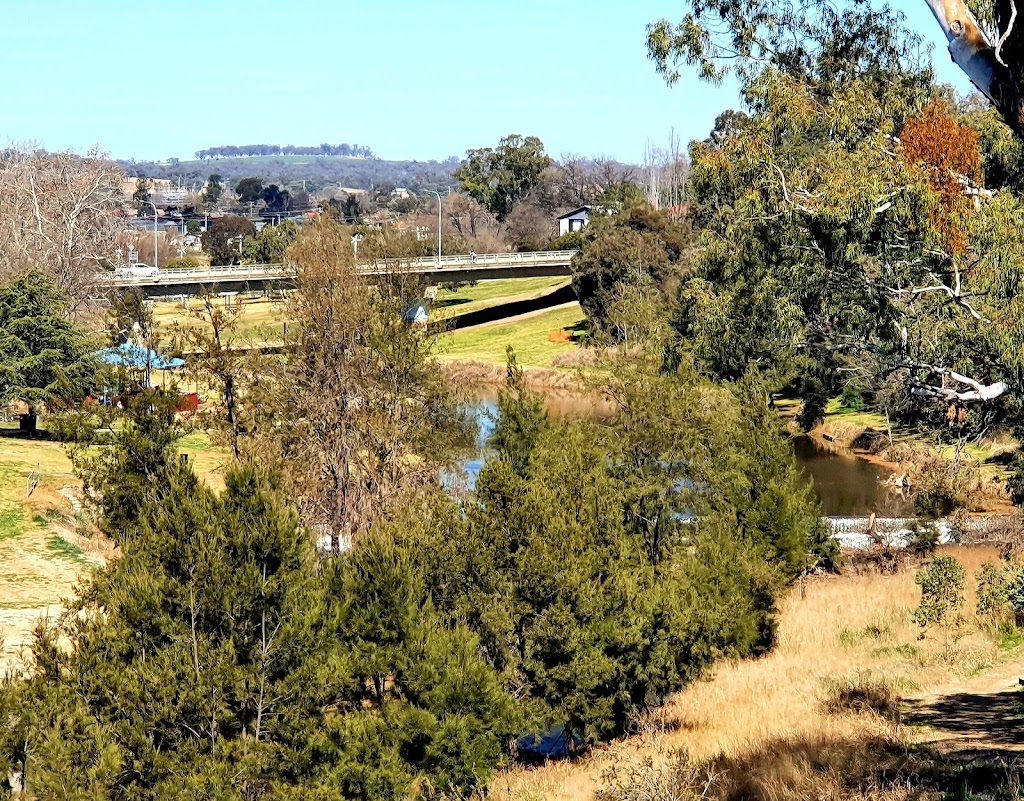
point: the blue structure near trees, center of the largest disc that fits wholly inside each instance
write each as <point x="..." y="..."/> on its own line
<point x="139" y="358"/>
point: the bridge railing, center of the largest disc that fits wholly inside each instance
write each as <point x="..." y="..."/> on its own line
<point x="485" y="259"/>
<point x="457" y="262"/>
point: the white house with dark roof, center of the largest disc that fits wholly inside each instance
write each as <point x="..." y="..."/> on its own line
<point x="575" y="220"/>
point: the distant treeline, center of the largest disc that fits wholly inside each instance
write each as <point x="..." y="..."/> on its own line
<point x="235" y="151"/>
<point x="318" y="173"/>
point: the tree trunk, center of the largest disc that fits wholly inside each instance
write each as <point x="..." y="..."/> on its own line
<point x="996" y="69"/>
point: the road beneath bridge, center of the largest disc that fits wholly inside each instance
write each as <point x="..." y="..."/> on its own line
<point x="260" y="277"/>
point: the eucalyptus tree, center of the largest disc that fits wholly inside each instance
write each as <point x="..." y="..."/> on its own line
<point x="847" y="233"/>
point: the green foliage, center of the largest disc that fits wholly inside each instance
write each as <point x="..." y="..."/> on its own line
<point x="501" y="177"/>
<point x="249" y="190"/>
<point x="128" y="478"/>
<point x="993" y="592"/>
<point x="571" y="240"/>
<point x="214" y="189"/>
<point x="639" y="247"/>
<point x="522" y="419"/>
<point x="821" y="44"/>
<point x="923" y="538"/>
<point x="277" y="199"/>
<point x="223" y="239"/>
<point x="141" y="197"/>
<point x="1015" y="482"/>
<point x="44" y="357"/>
<point x="614" y="564"/>
<point x="217" y="658"/>
<point x="270" y="244"/>
<point x="852" y="398"/>
<point x="815" y="400"/>
<point x="182" y="263"/>
<point x="942" y="593"/>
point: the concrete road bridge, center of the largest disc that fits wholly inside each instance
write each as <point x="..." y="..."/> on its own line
<point x="259" y="277"/>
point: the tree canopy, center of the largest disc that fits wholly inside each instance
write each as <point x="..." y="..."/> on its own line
<point x="44" y="356"/>
<point x="224" y="239"/>
<point x="502" y="176"/>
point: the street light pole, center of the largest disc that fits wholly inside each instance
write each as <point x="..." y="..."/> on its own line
<point x="155" y="257"/>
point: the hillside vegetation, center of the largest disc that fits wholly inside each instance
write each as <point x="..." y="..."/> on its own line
<point x="318" y="172"/>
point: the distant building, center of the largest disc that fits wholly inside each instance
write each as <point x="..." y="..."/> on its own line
<point x="574" y="220"/>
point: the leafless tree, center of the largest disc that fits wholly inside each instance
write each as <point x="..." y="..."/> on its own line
<point x="365" y="413"/>
<point x="60" y="212"/>
<point x="665" y="173"/>
<point x="529" y="227"/>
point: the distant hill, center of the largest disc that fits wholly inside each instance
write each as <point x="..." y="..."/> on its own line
<point x="289" y="171"/>
<point x="231" y="151"/>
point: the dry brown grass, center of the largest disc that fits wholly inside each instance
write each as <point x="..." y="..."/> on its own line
<point x="845" y="626"/>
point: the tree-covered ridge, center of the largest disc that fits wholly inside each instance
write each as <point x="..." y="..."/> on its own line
<point x="317" y="171"/>
<point x="234" y="151"/>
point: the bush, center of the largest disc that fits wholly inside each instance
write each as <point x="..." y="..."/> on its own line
<point x="669" y="777"/>
<point x="923" y="538"/>
<point x="993" y="591"/>
<point x="812" y="412"/>
<point x="183" y="263"/>
<point x="852" y="398"/>
<point x="942" y="596"/>
<point x="1015" y="483"/>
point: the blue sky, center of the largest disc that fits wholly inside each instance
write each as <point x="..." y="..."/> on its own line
<point x="410" y="79"/>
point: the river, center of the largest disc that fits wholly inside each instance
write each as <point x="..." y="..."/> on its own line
<point x="845" y="484"/>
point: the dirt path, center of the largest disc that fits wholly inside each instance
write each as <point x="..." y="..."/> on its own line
<point x="980" y="715"/>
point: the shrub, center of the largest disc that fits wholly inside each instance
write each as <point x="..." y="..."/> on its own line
<point x="923" y="538"/>
<point x="182" y="263"/>
<point x="942" y="595"/>
<point x="852" y="398"/>
<point x="993" y="590"/>
<point x="669" y="777"/>
<point x="812" y="412"/>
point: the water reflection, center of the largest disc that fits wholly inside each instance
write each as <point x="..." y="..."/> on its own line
<point x="847" y="485"/>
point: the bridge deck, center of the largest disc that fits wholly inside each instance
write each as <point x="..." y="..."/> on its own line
<point x="243" y="277"/>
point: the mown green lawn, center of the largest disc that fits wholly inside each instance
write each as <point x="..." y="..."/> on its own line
<point x="529" y="338"/>
<point x="485" y="294"/>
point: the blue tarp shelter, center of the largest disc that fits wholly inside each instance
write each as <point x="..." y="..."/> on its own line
<point x="138" y="357"/>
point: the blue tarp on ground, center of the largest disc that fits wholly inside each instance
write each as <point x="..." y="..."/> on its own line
<point x="553" y="744"/>
<point x="138" y="357"/>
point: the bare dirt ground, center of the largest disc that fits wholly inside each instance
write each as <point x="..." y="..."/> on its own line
<point x="979" y="716"/>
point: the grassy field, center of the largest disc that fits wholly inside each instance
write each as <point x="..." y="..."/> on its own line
<point x="770" y="714"/>
<point x="529" y="336"/>
<point x="46" y="542"/>
<point x="42" y="553"/>
<point x="260" y="320"/>
<point x="485" y="294"/>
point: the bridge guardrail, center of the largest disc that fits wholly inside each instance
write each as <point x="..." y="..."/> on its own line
<point x="427" y="263"/>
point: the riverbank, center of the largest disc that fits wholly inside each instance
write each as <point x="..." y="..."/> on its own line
<point x="869" y="437"/>
<point x="851" y="702"/>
